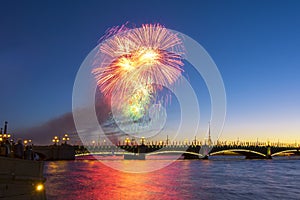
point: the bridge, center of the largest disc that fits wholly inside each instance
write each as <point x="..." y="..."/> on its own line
<point x="191" y="151"/>
<point x="55" y="152"/>
<point x="188" y="151"/>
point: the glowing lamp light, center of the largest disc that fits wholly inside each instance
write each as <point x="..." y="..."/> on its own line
<point x="4" y="136"/>
<point x="39" y="187"/>
<point x="55" y="140"/>
<point x="143" y="140"/>
<point x="66" y="138"/>
<point x="127" y="141"/>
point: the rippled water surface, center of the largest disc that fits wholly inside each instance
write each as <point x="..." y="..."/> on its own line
<point x="183" y="179"/>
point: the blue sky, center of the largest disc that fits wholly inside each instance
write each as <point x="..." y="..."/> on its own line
<point x="255" y="45"/>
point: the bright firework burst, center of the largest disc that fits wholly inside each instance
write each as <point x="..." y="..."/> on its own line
<point x="136" y="64"/>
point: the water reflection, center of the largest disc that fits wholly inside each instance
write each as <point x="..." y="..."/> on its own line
<point x="94" y="180"/>
<point x="183" y="179"/>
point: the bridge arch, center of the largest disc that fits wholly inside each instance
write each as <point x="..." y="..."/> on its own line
<point x="285" y="151"/>
<point x="42" y="155"/>
<point x="148" y="154"/>
<point x="174" y="152"/>
<point x="104" y="153"/>
<point x="245" y="152"/>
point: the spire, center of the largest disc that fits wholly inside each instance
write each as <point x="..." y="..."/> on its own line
<point x="209" y="137"/>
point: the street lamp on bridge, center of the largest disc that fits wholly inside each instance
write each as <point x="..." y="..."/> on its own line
<point x="143" y="140"/>
<point x="186" y="141"/>
<point x="55" y="140"/>
<point x="127" y="140"/>
<point x="66" y="138"/>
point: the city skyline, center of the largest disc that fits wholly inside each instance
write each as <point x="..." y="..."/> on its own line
<point x="255" y="46"/>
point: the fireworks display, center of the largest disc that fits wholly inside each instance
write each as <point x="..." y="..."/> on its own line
<point x="136" y="64"/>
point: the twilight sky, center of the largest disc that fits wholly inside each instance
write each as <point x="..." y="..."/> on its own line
<point x="255" y="45"/>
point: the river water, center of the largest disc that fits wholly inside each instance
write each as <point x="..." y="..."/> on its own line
<point x="217" y="178"/>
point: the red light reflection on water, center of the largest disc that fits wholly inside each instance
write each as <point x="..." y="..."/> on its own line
<point x="183" y="179"/>
<point x="94" y="180"/>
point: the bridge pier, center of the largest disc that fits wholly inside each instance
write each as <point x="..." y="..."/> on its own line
<point x="194" y="157"/>
<point x="269" y="152"/>
<point x="139" y="155"/>
<point x="187" y="156"/>
<point x="297" y="152"/>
